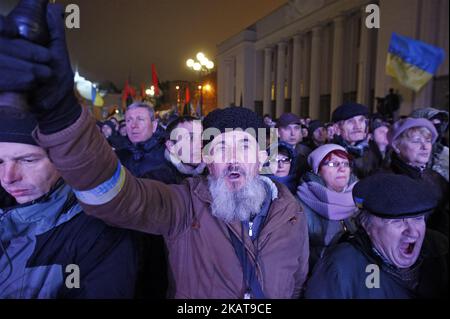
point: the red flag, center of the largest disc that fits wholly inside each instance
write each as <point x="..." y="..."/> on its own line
<point x="125" y="92"/>
<point x="128" y="92"/>
<point x="155" y="80"/>
<point x="187" y="96"/>
<point x="142" y="90"/>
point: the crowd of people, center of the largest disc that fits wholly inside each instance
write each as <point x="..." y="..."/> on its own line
<point x="150" y="210"/>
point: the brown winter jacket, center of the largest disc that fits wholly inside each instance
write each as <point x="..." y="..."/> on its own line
<point x="203" y="263"/>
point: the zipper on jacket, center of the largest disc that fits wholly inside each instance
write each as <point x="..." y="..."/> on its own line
<point x="250" y="229"/>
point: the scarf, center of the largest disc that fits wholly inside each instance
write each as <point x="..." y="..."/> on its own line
<point x="326" y="202"/>
<point x="358" y="149"/>
<point x="183" y="168"/>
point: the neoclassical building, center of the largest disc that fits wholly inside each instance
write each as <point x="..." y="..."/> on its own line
<point x="309" y="56"/>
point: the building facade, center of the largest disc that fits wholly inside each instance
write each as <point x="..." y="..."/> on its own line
<point x="309" y="56"/>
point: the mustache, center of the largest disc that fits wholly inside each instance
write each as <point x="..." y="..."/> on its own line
<point x="233" y="168"/>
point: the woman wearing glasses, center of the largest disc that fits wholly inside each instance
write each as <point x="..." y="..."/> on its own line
<point x="326" y="197"/>
<point x="411" y="141"/>
<point x="281" y="167"/>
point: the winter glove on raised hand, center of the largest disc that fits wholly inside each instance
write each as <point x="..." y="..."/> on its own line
<point x="23" y="65"/>
<point x="54" y="102"/>
<point x="43" y="73"/>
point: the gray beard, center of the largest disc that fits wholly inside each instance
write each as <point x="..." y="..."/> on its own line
<point x="239" y="205"/>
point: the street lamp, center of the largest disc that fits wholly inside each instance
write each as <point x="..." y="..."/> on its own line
<point x="178" y="95"/>
<point x="203" y="66"/>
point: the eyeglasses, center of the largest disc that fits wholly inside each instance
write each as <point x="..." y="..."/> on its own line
<point x="336" y="164"/>
<point x="418" y="140"/>
<point x="284" y="160"/>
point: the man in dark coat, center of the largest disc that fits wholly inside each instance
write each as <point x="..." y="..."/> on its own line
<point x="182" y="160"/>
<point x="317" y="134"/>
<point x="182" y="154"/>
<point x="290" y="133"/>
<point x="352" y="128"/>
<point x="147" y="147"/>
<point x="393" y="255"/>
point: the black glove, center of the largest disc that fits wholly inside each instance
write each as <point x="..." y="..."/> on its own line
<point x="22" y="64"/>
<point x="43" y="72"/>
<point x="54" y="102"/>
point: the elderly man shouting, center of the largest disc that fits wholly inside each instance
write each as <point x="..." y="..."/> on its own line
<point x="231" y="235"/>
<point x="394" y="256"/>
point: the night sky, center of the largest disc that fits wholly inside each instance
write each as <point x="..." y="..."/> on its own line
<point x="121" y="38"/>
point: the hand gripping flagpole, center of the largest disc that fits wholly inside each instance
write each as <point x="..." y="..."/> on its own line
<point x="29" y="17"/>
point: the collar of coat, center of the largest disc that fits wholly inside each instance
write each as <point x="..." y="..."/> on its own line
<point x="182" y="168"/>
<point x="54" y="208"/>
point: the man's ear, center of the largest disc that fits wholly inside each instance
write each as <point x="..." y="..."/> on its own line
<point x="262" y="157"/>
<point x="169" y="145"/>
<point x="337" y="129"/>
<point x="155" y="125"/>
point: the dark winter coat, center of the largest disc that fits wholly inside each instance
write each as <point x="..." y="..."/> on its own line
<point x="343" y="272"/>
<point x="367" y="158"/>
<point x="142" y="157"/>
<point x="439" y="219"/>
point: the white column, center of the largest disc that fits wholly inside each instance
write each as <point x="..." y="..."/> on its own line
<point x="363" y="89"/>
<point x="267" y="80"/>
<point x="314" y="89"/>
<point x="228" y="85"/>
<point x="281" y="63"/>
<point x="338" y="63"/>
<point x="289" y="70"/>
<point x="296" y="75"/>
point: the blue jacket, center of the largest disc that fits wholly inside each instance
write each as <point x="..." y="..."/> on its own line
<point x="143" y="157"/>
<point x="39" y="240"/>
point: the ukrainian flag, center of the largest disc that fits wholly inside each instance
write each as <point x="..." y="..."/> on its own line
<point x="413" y="63"/>
<point x="96" y="98"/>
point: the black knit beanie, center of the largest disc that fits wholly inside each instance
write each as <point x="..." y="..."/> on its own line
<point x="231" y="118"/>
<point x="16" y="126"/>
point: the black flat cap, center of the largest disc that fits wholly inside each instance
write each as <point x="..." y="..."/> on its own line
<point x="349" y="110"/>
<point x="314" y="125"/>
<point x="394" y="196"/>
<point x="233" y="117"/>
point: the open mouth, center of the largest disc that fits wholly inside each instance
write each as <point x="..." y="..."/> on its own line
<point x="407" y="248"/>
<point x="234" y="175"/>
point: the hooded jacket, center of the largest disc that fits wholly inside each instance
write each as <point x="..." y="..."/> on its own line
<point x="43" y="240"/>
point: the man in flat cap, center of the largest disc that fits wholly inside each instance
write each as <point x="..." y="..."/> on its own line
<point x="289" y="130"/>
<point x="232" y="234"/>
<point x="317" y="134"/>
<point x="393" y="255"/>
<point x="351" y="124"/>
